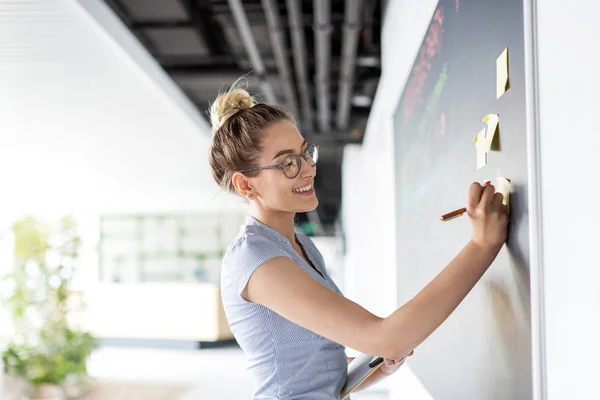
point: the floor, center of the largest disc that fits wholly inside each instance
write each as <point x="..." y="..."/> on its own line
<point x="172" y="374"/>
<point x="136" y="391"/>
<point x="204" y="374"/>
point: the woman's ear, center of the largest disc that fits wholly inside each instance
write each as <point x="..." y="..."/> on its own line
<point x="242" y="184"/>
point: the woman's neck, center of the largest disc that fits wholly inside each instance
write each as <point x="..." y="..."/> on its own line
<point x="282" y="222"/>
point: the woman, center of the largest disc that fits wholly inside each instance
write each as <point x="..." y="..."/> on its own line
<point x="286" y="313"/>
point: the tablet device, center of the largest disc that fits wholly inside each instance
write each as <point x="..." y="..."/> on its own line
<point x="359" y="370"/>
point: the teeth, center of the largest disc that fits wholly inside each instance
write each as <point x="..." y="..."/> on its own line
<point x="304" y="188"/>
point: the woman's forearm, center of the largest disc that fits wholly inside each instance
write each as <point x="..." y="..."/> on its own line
<point x="412" y="323"/>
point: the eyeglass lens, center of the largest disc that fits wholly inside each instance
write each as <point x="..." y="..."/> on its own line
<point x="291" y="164"/>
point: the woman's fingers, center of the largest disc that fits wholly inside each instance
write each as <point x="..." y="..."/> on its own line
<point x="487" y="197"/>
<point x="498" y="199"/>
<point x="392" y="362"/>
<point x="475" y="193"/>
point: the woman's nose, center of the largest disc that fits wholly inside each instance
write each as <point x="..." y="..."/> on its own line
<point x="309" y="169"/>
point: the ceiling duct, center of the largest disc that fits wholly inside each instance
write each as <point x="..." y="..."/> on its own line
<point x="294" y="8"/>
<point x="280" y="51"/>
<point x="243" y="26"/>
<point x="323" y="28"/>
<point x="352" y="22"/>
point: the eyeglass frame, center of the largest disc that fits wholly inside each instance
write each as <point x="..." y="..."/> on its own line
<point x="281" y="165"/>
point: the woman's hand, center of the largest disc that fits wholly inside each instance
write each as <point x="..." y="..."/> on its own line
<point x="489" y="216"/>
<point x="391" y="365"/>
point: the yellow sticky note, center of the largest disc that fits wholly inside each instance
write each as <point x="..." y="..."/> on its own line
<point x="503" y="186"/>
<point x="483" y="140"/>
<point x="502" y="76"/>
<point x="492" y="121"/>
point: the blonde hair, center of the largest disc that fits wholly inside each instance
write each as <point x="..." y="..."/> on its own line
<point x="237" y="122"/>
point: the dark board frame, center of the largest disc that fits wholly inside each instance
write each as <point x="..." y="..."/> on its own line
<point x="451" y="87"/>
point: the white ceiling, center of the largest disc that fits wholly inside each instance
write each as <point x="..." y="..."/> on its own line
<point x="89" y="121"/>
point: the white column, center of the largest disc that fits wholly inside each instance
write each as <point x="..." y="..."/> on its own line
<point x="568" y="34"/>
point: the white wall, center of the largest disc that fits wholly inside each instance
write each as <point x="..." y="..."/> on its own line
<point x="568" y="34"/>
<point x="368" y="181"/>
<point x="90" y="117"/>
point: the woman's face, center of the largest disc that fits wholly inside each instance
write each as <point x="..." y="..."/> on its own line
<point x="274" y="189"/>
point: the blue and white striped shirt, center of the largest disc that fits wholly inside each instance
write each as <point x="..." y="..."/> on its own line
<point x="286" y="360"/>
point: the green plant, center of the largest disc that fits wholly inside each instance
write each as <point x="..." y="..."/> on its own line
<point x="44" y="347"/>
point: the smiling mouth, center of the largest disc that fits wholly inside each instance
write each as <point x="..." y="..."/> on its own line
<point x="304" y="189"/>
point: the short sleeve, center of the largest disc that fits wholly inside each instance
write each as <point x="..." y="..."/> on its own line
<point x="250" y="251"/>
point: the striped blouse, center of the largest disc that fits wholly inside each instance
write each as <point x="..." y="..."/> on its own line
<point x="286" y="360"/>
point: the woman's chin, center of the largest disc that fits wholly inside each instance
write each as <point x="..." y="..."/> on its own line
<point x="309" y="205"/>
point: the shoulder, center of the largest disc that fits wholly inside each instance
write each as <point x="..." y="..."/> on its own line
<point x="251" y="249"/>
<point x="253" y="245"/>
<point x="249" y="240"/>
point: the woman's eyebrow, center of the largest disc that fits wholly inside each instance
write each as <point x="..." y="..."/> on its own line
<point x="288" y="151"/>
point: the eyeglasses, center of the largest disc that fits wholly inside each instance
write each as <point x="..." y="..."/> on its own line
<point x="292" y="164"/>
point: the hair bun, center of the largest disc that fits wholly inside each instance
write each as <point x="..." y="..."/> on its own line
<point x="228" y="104"/>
